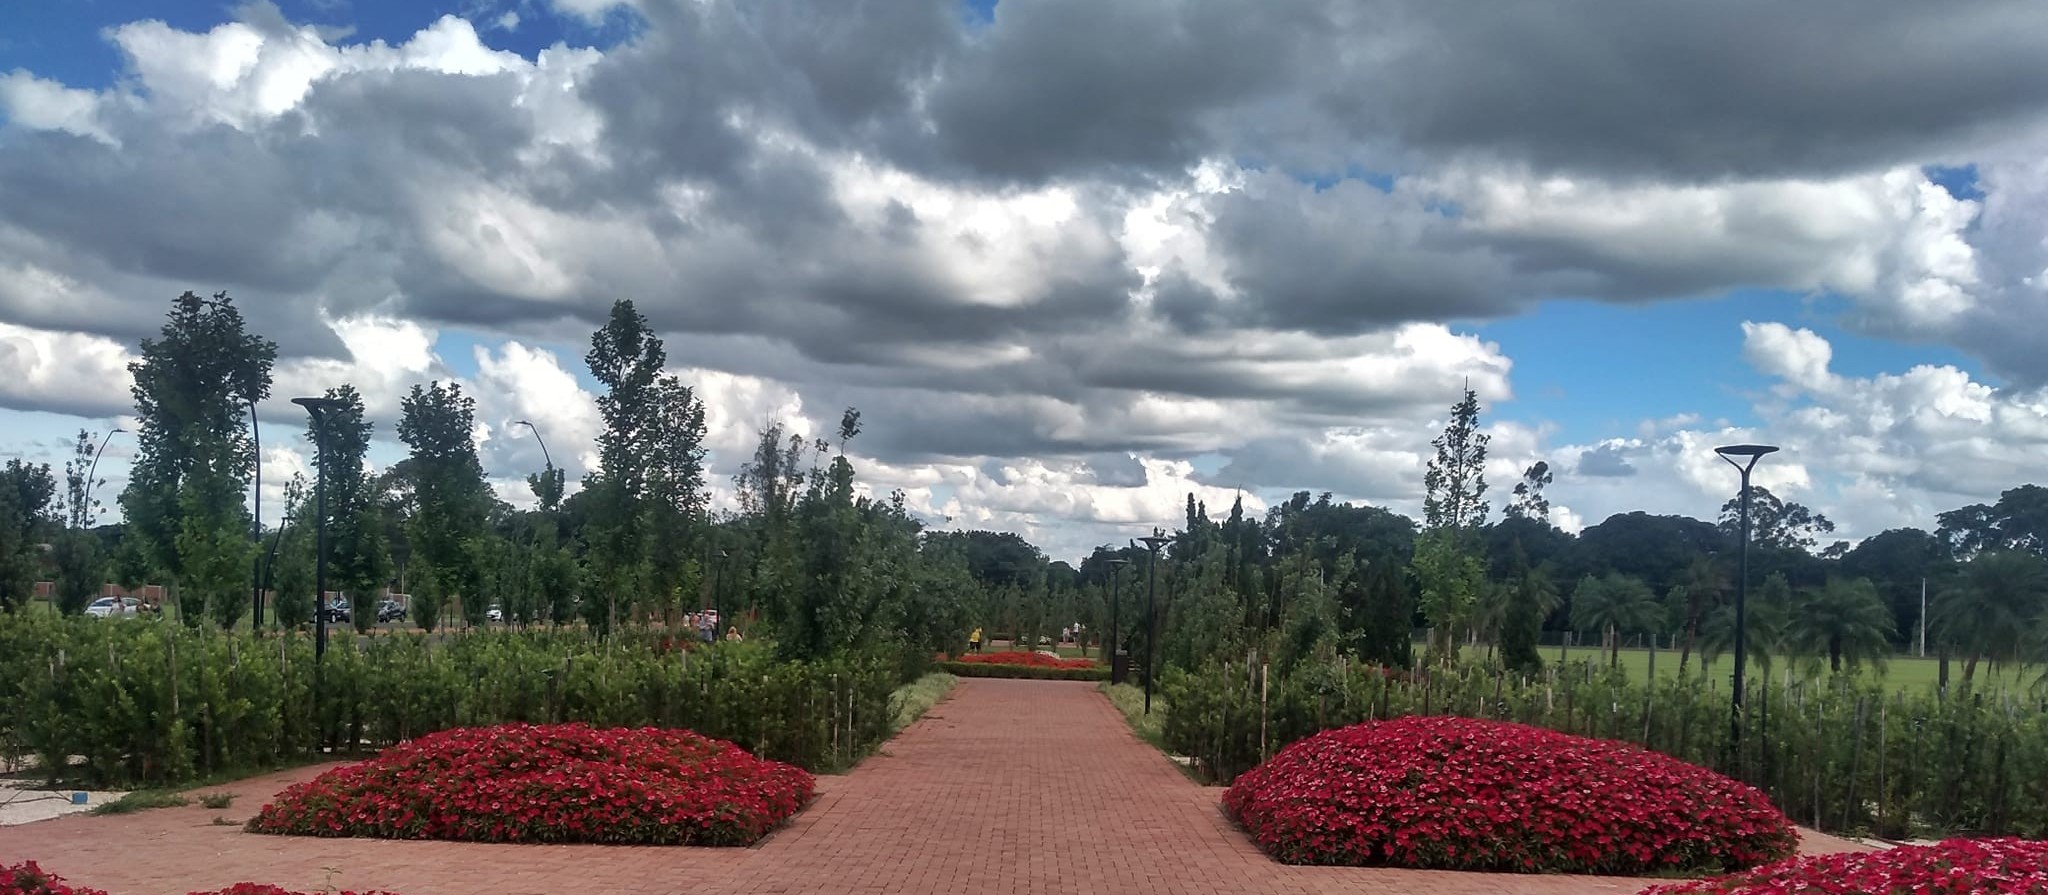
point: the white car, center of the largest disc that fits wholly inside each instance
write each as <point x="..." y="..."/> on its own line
<point x="106" y="607"/>
<point x="495" y="614"/>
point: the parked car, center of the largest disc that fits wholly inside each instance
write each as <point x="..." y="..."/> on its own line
<point x="495" y="614"/>
<point x="107" y="607"/>
<point x="390" y="611"/>
<point x="337" y="612"/>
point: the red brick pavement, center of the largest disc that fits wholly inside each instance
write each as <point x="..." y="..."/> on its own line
<point x="1032" y="787"/>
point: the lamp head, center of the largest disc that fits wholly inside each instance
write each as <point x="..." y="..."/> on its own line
<point x="318" y="406"/>
<point x="1746" y="450"/>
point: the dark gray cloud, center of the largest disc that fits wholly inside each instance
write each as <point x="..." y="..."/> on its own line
<point x="1605" y="461"/>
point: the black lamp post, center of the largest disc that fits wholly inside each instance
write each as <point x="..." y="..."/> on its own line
<point x="91" y="472"/>
<point x="536" y="437"/>
<point x="318" y="408"/>
<point x="1116" y="580"/>
<point x="1750" y="453"/>
<point x="718" y="592"/>
<point x="256" y="525"/>
<point x="1152" y="543"/>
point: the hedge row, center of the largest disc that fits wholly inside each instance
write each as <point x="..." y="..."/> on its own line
<point x="145" y="702"/>
<point x="1844" y="755"/>
<point x="1027" y="672"/>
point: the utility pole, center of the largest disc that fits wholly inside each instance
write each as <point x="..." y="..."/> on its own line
<point x="1923" y="618"/>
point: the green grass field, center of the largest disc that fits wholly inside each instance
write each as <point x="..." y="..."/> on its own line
<point x="1901" y="672"/>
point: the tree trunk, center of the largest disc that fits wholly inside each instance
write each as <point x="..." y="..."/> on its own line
<point x="1970" y="667"/>
<point x="1613" y="647"/>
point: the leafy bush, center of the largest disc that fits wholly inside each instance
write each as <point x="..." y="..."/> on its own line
<point x="1464" y="794"/>
<point x="142" y="800"/>
<point x="217" y="800"/>
<point x="156" y="703"/>
<point x="1843" y="755"/>
<point x="1027" y="672"/>
<point x="548" y="783"/>
<point x="1973" y="866"/>
<point x="1025" y="659"/>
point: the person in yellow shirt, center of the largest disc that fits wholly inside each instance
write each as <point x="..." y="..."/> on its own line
<point x="974" y="641"/>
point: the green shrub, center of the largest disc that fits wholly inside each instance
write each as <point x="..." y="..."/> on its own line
<point x="216" y="800"/>
<point x="1027" y="672"/>
<point x="143" y="800"/>
<point x="156" y="703"/>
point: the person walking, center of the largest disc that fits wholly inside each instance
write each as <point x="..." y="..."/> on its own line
<point x="974" y="641"/>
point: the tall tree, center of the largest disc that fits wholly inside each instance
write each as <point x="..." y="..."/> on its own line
<point x="25" y="494"/>
<point x="1447" y="561"/>
<point x="676" y="495"/>
<point x="1529" y="502"/>
<point x="293" y="577"/>
<point x="184" y="501"/>
<point x="357" y="561"/>
<point x="81" y="564"/>
<point x="625" y="357"/>
<point x="450" y="497"/>
<point x="1531" y="596"/>
<point x="1775" y="524"/>
<point x="2018" y="521"/>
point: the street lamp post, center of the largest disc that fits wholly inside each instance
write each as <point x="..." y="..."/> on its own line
<point x="92" y="472"/>
<point x="536" y="437"/>
<point x="256" y="524"/>
<point x="1750" y="453"/>
<point x="318" y="408"/>
<point x="1152" y="543"/>
<point x="1116" y="579"/>
<point x="718" y="591"/>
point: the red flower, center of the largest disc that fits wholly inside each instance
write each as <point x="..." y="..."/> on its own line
<point x="1954" y="867"/>
<point x="558" y="783"/>
<point x="1466" y="794"/>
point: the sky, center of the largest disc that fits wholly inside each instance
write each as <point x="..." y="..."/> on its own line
<point x="1074" y="260"/>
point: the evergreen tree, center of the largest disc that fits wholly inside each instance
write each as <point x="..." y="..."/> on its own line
<point x="1531" y="597"/>
<point x="625" y="357"/>
<point x="451" y="501"/>
<point x="1447" y="561"/>
<point x="81" y="565"/>
<point x="184" y="503"/>
<point x="25" y="494"/>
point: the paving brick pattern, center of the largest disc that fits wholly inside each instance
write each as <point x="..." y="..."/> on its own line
<point x="1029" y="787"/>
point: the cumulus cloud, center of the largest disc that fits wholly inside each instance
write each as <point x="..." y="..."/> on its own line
<point x="1073" y="259"/>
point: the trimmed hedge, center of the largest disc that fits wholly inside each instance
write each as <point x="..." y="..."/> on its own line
<point x="1025" y="672"/>
<point x="152" y="703"/>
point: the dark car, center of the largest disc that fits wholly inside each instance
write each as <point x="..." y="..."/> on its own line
<point x="390" y="611"/>
<point x="337" y="612"/>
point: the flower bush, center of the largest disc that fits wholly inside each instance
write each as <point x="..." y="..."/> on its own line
<point x="1025" y="659"/>
<point x="548" y="783"/>
<point x="1954" y="867"/>
<point x="1466" y="794"/>
<point x="28" y="879"/>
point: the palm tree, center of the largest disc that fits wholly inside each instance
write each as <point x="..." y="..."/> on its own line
<point x="1846" y="620"/>
<point x="1765" y="626"/>
<point x="2001" y="595"/>
<point x="1614" y="605"/>
<point x="1705" y="584"/>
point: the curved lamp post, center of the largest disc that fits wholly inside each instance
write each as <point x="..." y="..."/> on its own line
<point x="1152" y="543"/>
<point x="536" y="437"/>
<point x="1748" y="455"/>
<point x="1116" y="579"/>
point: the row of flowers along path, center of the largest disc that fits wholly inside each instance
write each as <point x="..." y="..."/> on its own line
<point x="1008" y="786"/>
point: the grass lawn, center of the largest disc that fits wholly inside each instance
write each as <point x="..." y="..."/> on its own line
<point x="1908" y="673"/>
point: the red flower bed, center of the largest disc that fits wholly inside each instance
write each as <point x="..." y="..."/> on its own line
<point x="1955" y="867"/>
<point x="556" y="783"/>
<point x="28" y="879"/>
<point x="1464" y="794"/>
<point x="1030" y="660"/>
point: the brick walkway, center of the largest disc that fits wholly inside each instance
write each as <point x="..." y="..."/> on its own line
<point x="1008" y="786"/>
